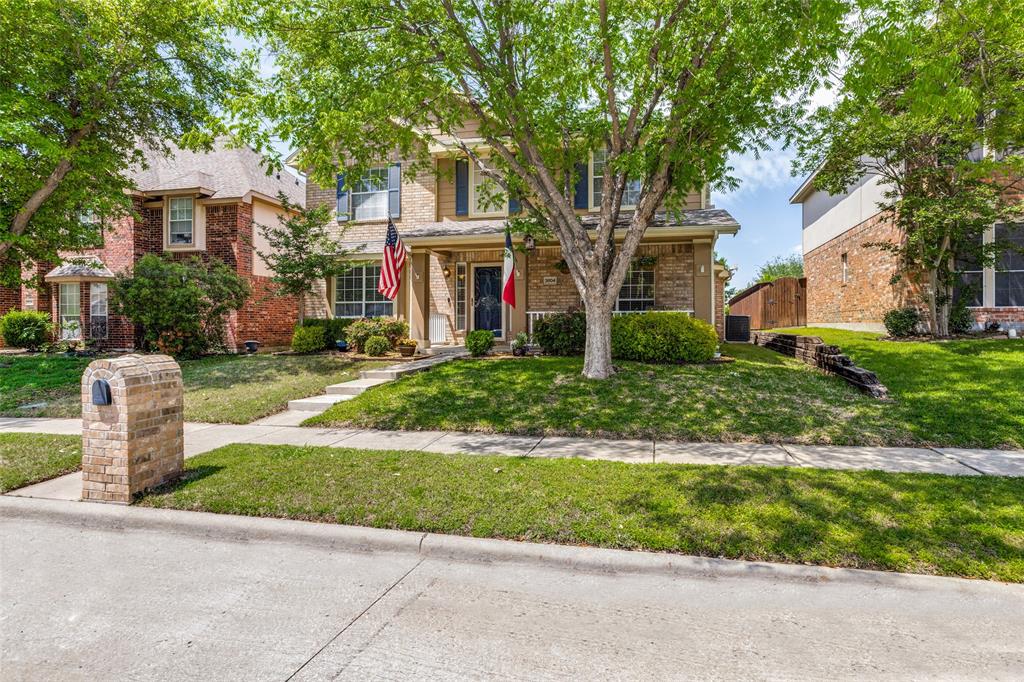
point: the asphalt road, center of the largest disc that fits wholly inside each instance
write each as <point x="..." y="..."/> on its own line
<point x="148" y="594"/>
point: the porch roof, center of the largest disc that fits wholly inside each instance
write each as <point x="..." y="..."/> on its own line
<point x="93" y="271"/>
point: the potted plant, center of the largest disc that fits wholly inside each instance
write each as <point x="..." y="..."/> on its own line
<point x="519" y="344"/>
<point x="407" y="347"/>
<point x="341" y="345"/>
<point x="252" y="346"/>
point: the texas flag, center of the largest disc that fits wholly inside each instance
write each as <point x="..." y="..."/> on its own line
<point x="508" y="289"/>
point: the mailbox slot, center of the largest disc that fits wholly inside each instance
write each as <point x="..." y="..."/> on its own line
<point x="101" y="392"/>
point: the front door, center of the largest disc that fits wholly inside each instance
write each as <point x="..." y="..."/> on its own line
<point x="487" y="298"/>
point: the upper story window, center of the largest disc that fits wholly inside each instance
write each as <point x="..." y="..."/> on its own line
<point x="373" y="196"/>
<point x="181" y="221"/>
<point x="637" y="292"/>
<point x="598" y="161"/>
<point x="486" y="196"/>
<point x="1010" y="268"/>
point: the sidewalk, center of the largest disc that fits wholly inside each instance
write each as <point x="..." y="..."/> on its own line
<point x="201" y="438"/>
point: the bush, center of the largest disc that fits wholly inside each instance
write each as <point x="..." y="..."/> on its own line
<point x="961" y="320"/>
<point x="25" y="329"/>
<point x="334" y="328"/>
<point x="901" y="321"/>
<point x="308" y="339"/>
<point x="359" y="331"/>
<point x="663" y="337"/>
<point x="377" y="345"/>
<point x="479" y="341"/>
<point x="180" y="305"/>
<point x="561" y="333"/>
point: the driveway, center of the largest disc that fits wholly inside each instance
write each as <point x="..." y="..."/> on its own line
<point x="101" y="592"/>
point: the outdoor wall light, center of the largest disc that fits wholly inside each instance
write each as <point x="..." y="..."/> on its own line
<point x="447" y="272"/>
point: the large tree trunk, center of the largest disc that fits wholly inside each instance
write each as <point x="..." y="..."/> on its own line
<point x="597" y="356"/>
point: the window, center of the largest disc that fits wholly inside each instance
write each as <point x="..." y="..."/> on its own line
<point x="846" y="268"/>
<point x="486" y="196"/>
<point x="637" y="292"/>
<point x="630" y="196"/>
<point x="370" y="195"/>
<point x="969" y="287"/>
<point x="460" y="295"/>
<point x="98" y="310"/>
<point x="356" y="295"/>
<point x="180" y="221"/>
<point x="1010" y="267"/>
<point x="69" y="309"/>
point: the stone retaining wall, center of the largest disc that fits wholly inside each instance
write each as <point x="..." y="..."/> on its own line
<point x="815" y="352"/>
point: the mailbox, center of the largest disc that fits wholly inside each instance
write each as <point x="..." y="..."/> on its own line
<point x="101" y="392"/>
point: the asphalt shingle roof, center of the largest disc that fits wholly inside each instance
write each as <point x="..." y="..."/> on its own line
<point x="91" y="270"/>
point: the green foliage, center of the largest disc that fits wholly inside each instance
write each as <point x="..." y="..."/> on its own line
<point x="308" y="339"/>
<point x="391" y="328"/>
<point x="561" y="333"/>
<point x="520" y="340"/>
<point x="662" y="337"/>
<point x="479" y="342"/>
<point x="961" y="320"/>
<point x="902" y="322"/>
<point x="84" y="87"/>
<point x="334" y="328"/>
<point x="377" y="345"/>
<point x="25" y="329"/>
<point x="780" y="266"/>
<point x="180" y="305"/>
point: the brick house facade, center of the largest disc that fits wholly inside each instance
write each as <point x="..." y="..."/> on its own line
<point x="455" y="244"/>
<point x="189" y="205"/>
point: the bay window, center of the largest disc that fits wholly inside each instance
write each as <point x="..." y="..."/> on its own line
<point x="98" y="310"/>
<point x="69" y="311"/>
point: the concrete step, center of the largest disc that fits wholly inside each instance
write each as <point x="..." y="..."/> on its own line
<point x="354" y="387"/>
<point x="317" y="403"/>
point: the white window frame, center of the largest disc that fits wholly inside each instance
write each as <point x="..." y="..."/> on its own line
<point x="99" y="308"/>
<point x="594" y="202"/>
<point x="845" y="260"/>
<point x="171" y="220"/>
<point x="381" y="174"/>
<point x="476" y="177"/>
<point x="996" y="271"/>
<point x="461" y="296"/>
<point x="627" y="283"/>
<point x="369" y="275"/>
<point x="69" y="309"/>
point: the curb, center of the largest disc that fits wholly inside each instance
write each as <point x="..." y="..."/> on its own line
<point x="337" y="537"/>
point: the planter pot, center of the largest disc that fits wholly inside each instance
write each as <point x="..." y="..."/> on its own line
<point x="519" y="351"/>
<point x="341" y="345"/>
<point x="252" y="346"/>
<point x="407" y="351"/>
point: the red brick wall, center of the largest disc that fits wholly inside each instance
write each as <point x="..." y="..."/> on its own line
<point x="720" y="306"/>
<point x="267" y="318"/>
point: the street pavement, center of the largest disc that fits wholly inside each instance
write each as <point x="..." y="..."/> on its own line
<point x="98" y="592"/>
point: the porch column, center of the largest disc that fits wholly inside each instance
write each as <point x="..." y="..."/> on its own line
<point x="418" y="282"/>
<point x="517" y="315"/>
<point x="703" y="279"/>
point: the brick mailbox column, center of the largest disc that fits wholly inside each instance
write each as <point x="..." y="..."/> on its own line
<point x="135" y="442"/>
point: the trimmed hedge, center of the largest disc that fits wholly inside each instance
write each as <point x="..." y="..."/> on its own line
<point x="561" y="333"/>
<point x="377" y="345"/>
<point x="479" y="341"/>
<point x="334" y="328"/>
<point x="359" y="331"/>
<point x="308" y="339"/>
<point x="25" y="328"/>
<point x="662" y="337"/>
<point x="901" y="322"/>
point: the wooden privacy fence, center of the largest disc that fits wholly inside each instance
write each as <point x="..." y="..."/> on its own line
<point x="769" y="305"/>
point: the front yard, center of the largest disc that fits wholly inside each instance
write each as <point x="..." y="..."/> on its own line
<point x="31" y="457"/>
<point x="235" y="389"/>
<point x="920" y="523"/>
<point x="763" y="396"/>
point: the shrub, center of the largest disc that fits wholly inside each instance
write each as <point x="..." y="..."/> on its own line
<point x="308" y="339"/>
<point x="180" y="305"/>
<point x="334" y="328"/>
<point x="479" y="341"/>
<point x="377" y="345"/>
<point x="663" y="337"/>
<point x="961" y="321"/>
<point x="359" y="331"/>
<point x="25" y="328"/>
<point x="901" y="322"/>
<point x="561" y="333"/>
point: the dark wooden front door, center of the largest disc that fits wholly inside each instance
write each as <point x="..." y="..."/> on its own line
<point x="487" y="298"/>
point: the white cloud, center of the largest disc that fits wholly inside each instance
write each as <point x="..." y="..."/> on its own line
<point x="770" y="171"/>
<point x="797" y="249"/>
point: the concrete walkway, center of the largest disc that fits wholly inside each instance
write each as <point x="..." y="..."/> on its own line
<point x="201" y="438"/>
<point x="98" y="592"/>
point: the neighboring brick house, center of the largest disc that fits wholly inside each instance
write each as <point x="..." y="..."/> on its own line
<point x="188" y="204"/>
<point x="455" y="240"/>
<point x="849" y="284"/>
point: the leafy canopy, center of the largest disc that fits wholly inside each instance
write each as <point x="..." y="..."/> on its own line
<point x="780" y="266"/>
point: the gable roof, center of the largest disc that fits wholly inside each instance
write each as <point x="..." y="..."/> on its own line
<point x="225" y="172"/>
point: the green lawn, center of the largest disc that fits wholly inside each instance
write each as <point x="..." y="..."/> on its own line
<point x="968" y="392"/>
<point x="31" y="457"/>
<point x="234" y="389"/>
<point x="922" y="523"/>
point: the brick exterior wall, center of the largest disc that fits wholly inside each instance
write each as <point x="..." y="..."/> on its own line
<point x="720" y="306"/>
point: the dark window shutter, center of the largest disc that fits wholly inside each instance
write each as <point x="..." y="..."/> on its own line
<point x="582" y="196"/>
<point x="343" y="198"/>
<point x="514" y="205"/>
<point x="395" y="190"/>
<point x="461" y="187"/>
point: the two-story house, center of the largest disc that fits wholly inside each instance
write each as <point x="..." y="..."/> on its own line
<point x="204" y="204"/>
<point x="452" y="220"/>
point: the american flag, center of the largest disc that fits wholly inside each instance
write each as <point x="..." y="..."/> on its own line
<point x="394" y="259"/>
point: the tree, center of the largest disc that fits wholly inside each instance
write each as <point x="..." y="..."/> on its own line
<point x="302" y="251"/>
<point x="84" y="86"/>
<point x="933" y="104"/>
<point x="667" y="87"/>
<point x="780" y="266"/>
